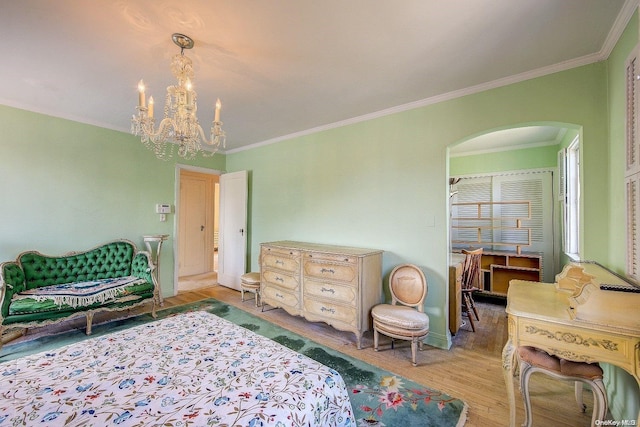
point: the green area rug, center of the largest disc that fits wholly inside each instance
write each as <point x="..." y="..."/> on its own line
<point x="378" y="397"/>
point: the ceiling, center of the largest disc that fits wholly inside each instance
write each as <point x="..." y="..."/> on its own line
<point x="289" y="67"/>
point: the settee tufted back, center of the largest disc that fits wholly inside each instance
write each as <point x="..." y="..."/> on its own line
<point x="106" y="261"/>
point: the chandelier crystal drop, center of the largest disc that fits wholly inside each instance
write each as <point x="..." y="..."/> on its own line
<point x="179" y="127"/>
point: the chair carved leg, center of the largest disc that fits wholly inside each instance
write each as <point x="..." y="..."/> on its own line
<point x="375" y="339"/>
<point x="414" y="346"/>
<point x="599" y="400"/>
<point x="525" y="373"/>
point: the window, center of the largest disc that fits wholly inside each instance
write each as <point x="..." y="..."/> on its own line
<point x="632" y="170"/>
<point x="569" y="166"/>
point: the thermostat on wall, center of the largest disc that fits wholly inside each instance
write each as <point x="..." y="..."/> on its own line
<point x="163" y="208"/>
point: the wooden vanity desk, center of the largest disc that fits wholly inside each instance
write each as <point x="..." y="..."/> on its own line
<point x="573" y="319"/>
<point x="456" y="262"/>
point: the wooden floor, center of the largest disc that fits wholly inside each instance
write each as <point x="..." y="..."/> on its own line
<point x="471" y="370"/>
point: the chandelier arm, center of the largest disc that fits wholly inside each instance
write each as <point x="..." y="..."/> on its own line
<point x="202" y="136"/>
<point x="164" y="128"/>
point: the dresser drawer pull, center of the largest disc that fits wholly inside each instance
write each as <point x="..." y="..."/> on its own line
<point x="279" y="262"/>
<point x="328" y="270"/>
<point x="279" y="279"/>
<point x="279" y="296"/>
<point x="332" y="291"/>
<point x="330" y="310"/>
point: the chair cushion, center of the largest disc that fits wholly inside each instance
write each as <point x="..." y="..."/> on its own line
<point x="589" y="371"/>
<point x="539" y="358"/>
<point x="251" y="279"/>
<point x="400" y="316"/>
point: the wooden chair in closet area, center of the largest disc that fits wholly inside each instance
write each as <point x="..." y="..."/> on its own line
<point x="471" y="283"/>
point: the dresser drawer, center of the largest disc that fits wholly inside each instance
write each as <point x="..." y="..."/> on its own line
<point x="330" y="257"/>
<point x="287" y="281"/>
<point x="322" y="269"/>
<point x="281" y="297"/>
<point x="330" y="312"/>
<point x="343" y="294"/>
<point x="287" y="260"/>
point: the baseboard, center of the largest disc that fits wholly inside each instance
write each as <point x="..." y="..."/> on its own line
<point x="438" y="340"/>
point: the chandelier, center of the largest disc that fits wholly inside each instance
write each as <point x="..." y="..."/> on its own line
<point x="179" y="127"/>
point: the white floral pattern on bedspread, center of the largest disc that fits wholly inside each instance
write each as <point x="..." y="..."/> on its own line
<point x="193" y="369"/>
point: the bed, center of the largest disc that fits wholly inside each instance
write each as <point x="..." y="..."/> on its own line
<point x="189" y="369"/>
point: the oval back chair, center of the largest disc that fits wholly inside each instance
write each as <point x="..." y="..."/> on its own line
<point x="404" y="318"/>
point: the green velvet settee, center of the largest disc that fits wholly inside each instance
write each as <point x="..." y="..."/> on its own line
<point x="37" y="289"/>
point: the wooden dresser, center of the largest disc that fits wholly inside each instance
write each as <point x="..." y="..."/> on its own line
<point x="333" y="284"/>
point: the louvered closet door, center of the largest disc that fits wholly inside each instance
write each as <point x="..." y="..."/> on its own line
<point x="472" y="190"/>
<point x="537" y="187"/>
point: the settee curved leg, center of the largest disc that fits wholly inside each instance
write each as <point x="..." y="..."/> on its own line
<point x="89" y="322"/>
<point x="6" y="337"/>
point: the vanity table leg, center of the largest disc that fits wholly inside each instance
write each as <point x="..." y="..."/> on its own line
<point x="508" y="367"/>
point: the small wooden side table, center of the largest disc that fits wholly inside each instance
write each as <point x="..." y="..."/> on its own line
<point x="155" y="256"/>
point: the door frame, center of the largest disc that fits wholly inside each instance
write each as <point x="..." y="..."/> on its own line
<point x="176" y="222"/>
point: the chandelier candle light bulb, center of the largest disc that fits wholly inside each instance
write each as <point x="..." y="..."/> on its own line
<point x="150" y="112"/>
<point x="179" y="127"/>
<point x="218" y="107"/>
<point x="141" y="100"/>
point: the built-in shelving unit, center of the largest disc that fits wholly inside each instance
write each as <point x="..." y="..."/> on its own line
<point x="499" y="267"/>
<point x="497" y="224"/>
<point x="491" y="223"/>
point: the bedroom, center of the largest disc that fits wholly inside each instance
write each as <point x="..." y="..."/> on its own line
<point x="70" y="185"/>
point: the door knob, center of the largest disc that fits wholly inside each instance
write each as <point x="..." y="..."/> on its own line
<point x="202" y="228"/>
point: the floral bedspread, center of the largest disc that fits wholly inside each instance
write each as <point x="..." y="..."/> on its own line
<point x="192" y="369"/>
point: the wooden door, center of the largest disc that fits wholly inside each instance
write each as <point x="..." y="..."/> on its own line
<point x="195" y="223"/>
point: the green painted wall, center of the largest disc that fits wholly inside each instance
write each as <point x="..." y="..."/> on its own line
<point x="68" y="186"/>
